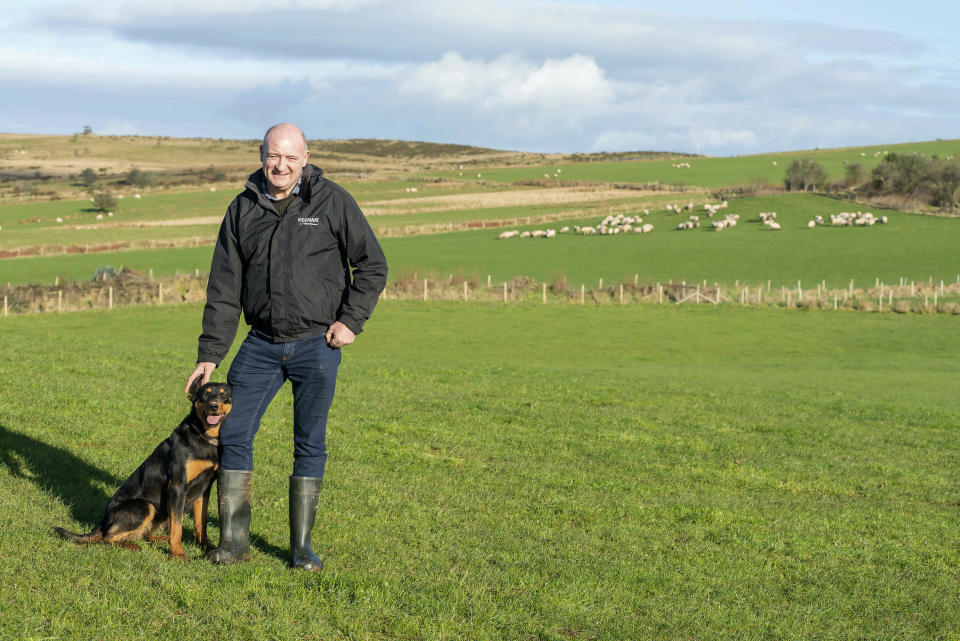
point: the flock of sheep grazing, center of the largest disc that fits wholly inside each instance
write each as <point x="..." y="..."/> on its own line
<point x="609" y="226"/>
<point x="848" y="219"/>
<point x="621" y="224"/>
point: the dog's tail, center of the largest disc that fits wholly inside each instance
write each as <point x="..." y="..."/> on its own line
<point x="94" y="537"/>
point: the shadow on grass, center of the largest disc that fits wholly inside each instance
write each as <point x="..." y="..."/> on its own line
<point x="58" y="471"/>
<point x="269" y="549"/>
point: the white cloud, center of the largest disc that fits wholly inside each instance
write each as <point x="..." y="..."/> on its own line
<point x="511" y="81"/>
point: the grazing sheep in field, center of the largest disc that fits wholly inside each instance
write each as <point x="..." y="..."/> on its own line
<point x="513" y="233"/>
<point x="564" y="229"/>
<point x="137" y="196"/>
<point x="647" y="228"/>
<point x="551" y="233"/>
<point x="525" y="234"/>
<point x="775" y="226"/>
<point x="59" y="220"/>
<point x="589" y="231"/>
<point x="812" y="224"/>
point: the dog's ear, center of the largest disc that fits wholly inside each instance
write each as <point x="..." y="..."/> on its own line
<point x="194" y="388"/>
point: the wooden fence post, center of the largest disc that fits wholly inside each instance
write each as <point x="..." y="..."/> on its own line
<point x="109" y="297"/>
<point x="583" y="292"/>
<point x="424" y="289"/>
<point x="544" y="290"/>
<point x="464" y="290"/>
<point x="504" y="291"/>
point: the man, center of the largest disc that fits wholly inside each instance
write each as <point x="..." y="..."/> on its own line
<point x="284" y="256"/>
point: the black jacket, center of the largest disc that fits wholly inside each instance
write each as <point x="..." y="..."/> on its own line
<point x="291" y="274"/>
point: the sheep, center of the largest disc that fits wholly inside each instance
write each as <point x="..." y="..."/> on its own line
<point x="551" y="233"/>
<point x="718" y="225"/>
<point x="647" y="228"/>
<point x="767" y="216"/>
<point x="59" y="220"/>
<point x="137" y="196"/>
<point x="508" y="234"/>
<point x="589" y="231"/>
<point x="565" y="229"/>
<point x="775" y="226"/>
<point x="812" y="224"/>
<point x="525" y="234"/>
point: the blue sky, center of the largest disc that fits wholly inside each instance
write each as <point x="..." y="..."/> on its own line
<point x="720" y="78"/>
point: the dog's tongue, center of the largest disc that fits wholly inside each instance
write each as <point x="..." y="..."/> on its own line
<point x="213" y="420"/>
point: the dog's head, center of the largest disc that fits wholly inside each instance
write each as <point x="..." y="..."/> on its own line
<point x="211" y="402"/>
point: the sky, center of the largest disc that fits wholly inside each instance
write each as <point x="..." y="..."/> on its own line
<point x="710" y="77"/>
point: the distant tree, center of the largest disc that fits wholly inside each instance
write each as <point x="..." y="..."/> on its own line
<point x="140" y="178"/>
<point x="88" y="177"/>
<point x="804" y="175"/>
<point x="854" y="174"/>
<point x="87" y="130"/>
<point x="104" y="201"/>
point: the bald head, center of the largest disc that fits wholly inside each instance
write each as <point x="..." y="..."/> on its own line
<point x="284" y="155"/>
<point x="285" y="130"/>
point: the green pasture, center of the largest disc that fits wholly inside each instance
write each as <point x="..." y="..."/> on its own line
<point x="909" y="246"/>
<point x="515" y="472"/>
<point x="35" y="224"/>
<point x="711" y="172"/>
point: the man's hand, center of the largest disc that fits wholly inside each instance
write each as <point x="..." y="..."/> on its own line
<point x="205" y="370"/>
<point x="339" y="335"/>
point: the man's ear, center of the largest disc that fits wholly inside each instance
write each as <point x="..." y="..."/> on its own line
<point x="194" y="388"/>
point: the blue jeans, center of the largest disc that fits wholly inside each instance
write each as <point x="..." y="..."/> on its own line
<point x="256" y="374"/>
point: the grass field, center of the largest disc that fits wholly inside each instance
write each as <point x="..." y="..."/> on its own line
<point x="710" y="171"/>
<point x="510" y="471"/>
<point x="514" y="472"/>
<point x="909" y="246"/>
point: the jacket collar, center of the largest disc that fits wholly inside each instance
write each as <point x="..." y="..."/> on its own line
<point x="309" y="179"/>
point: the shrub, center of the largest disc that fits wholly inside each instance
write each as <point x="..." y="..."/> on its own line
<point x="104" y="201"/>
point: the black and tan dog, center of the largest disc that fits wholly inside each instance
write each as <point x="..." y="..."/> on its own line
<point x="180" y="471"/>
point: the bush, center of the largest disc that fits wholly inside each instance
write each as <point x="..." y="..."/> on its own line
<point x="139" y="178"/>
<point x="104" y="201"/>
<point x="88" y="177"/>
<point x="928" y="180"/>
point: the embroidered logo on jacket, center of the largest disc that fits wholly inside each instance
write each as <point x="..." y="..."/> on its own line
<point x="308" y="221"/>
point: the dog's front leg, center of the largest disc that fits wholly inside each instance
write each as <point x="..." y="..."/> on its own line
<point x="176" y="497"/>
<point x="200" y="517"/>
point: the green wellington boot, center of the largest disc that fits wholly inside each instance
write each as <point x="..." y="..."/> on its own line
<point x="233" y="499"/>
<point x="304" y="496"/>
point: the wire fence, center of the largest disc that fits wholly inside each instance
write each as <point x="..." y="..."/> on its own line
<point x="128" y="288"/>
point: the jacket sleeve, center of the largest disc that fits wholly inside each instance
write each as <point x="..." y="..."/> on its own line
<point x="368" y="264"/>
<point x="221" y="314"/>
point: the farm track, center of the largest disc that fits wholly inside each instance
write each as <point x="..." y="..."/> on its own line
<point x="511" y="198"/>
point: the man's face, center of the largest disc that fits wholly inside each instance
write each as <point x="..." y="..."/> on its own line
<point x="284" y="156"/>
